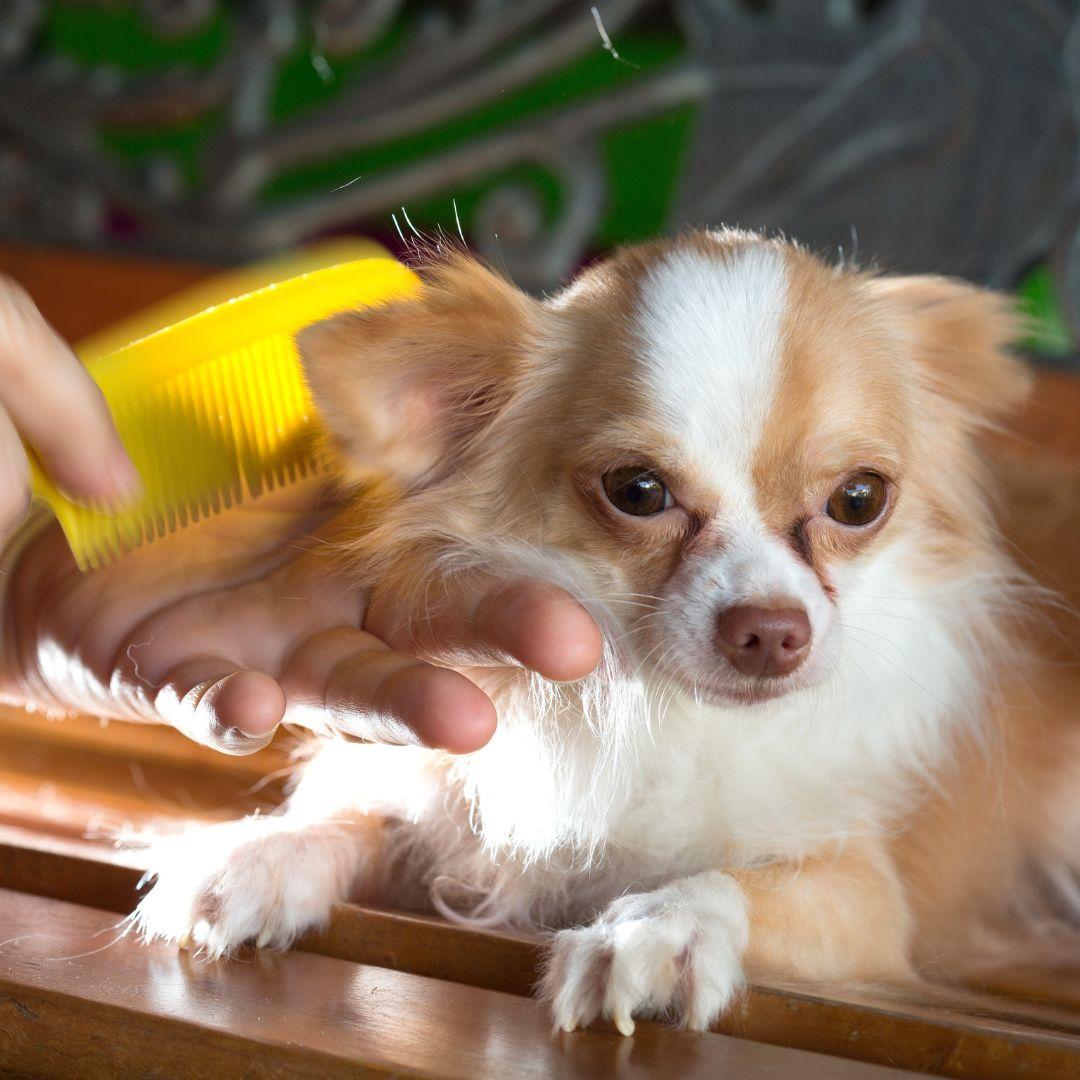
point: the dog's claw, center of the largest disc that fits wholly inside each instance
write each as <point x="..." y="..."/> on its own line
<point x="625" y="1023"/>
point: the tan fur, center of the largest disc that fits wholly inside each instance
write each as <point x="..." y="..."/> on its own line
<point x="970" y="857"/>
<point x="431" y="371"/>
<point x="839" y="915"/>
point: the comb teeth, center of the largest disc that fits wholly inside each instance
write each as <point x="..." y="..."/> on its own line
<point x="215" y="408"/>
<point x="229" y="429"/>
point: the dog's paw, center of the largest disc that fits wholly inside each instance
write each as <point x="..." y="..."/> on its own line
<point x="673" y="953"/>
<point x="263" y="880"/>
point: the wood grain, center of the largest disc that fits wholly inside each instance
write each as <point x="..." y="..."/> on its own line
<point x="1057" y="984"/>
<point x="67" y="978"/>
<point x="60" y="868"/>
<point x="63" y="788"/>
<point x="139" y="742"/>
<point x="949" y="1032"/>
<point x="927" y="1029"/>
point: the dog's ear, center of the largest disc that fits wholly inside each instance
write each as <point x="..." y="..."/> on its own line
<point x="405" y="388"/>
<point x="960" y="335"/>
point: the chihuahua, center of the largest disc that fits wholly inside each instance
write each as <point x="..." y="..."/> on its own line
<point x="817" y="746"/>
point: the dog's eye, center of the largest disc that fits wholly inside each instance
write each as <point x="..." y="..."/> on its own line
<point x="635" y="490"/>
<point x="858" y="500"/>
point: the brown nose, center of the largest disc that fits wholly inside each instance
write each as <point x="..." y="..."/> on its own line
<point x="763" y="641"/>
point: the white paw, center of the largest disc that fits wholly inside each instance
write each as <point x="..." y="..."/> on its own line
<point x="673" y="953"/>
<point x="263" y="879"/>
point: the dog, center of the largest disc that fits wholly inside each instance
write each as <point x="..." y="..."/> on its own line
<point x="823" y="742"/>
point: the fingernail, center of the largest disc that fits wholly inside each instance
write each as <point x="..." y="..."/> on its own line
<point x="233" y="740"/>
<point x="124" y="476"/>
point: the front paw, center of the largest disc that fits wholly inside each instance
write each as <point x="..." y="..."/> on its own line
<point x="674" y="953"/>
<point x="262" y="879"/>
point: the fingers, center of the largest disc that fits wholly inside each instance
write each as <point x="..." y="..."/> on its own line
<point x="349" y="681"/>
<point x="226" y="666"/>
<point x="340" y="681"/>
<point x="57" y="407"/>
<point x="236" y="712"/>
<point x="14" y="478"/>
<point x="539" y="626"/>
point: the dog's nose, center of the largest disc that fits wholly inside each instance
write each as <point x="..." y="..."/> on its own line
<point x="761" y="640"/>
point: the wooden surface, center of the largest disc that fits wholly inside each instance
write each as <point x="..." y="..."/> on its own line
<point x="949" y="1033"/>
<point x="59" y="786"/>
<point x="82" y="292"/>
<point x="381" y="992"/>
<point x="299" y="1014"/>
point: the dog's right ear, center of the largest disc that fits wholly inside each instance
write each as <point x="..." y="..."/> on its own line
<point x="405" y="388"/>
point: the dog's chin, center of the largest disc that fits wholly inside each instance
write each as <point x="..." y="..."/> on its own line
<point x="748" y="692"/>
<point x="731" y="689"/>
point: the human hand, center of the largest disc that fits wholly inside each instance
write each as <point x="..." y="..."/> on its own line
<point x="48" y="399"/>
<point x="228" y="627"/>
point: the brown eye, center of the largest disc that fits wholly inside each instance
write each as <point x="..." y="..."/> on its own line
<point x="635" y="490"/>
<point x="858" y="500"/>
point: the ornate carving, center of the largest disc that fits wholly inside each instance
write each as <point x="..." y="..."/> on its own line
<point x="940" y="130"/>
<point x="941" y="133"/>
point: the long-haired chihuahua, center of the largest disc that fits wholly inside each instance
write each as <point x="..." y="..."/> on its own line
<point x="824" y="741"/>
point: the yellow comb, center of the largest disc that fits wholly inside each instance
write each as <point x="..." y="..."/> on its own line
<point x="215" y="409"/>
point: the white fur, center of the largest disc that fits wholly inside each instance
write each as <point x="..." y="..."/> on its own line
<point x="682" y="784"/>
<point x="745" y="565"/>
<point x="711" y="329"/>
<point x="710" y="352"/>
<point x="579" y="794"/>
<point x="263" y="879"/>
<point x="674" y="951"/>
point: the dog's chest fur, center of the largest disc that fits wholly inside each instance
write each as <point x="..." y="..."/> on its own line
<point x="566" y="817"/>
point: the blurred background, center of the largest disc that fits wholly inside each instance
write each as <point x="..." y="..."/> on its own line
<point x="920" y="135"/>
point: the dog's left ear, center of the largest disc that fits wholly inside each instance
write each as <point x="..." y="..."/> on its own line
<point x="960" y="336"/>
<point x="406" y="388"/>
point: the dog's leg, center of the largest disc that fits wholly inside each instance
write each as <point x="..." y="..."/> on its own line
<point x="265" y="879"/>
<point x="839" y="915"/>
<point x="680" y="951"/>
<point x="674" y="952"/>
<point x="268" y="878"/>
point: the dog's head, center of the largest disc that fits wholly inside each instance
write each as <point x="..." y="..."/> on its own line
<point x="721" y="434"/>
